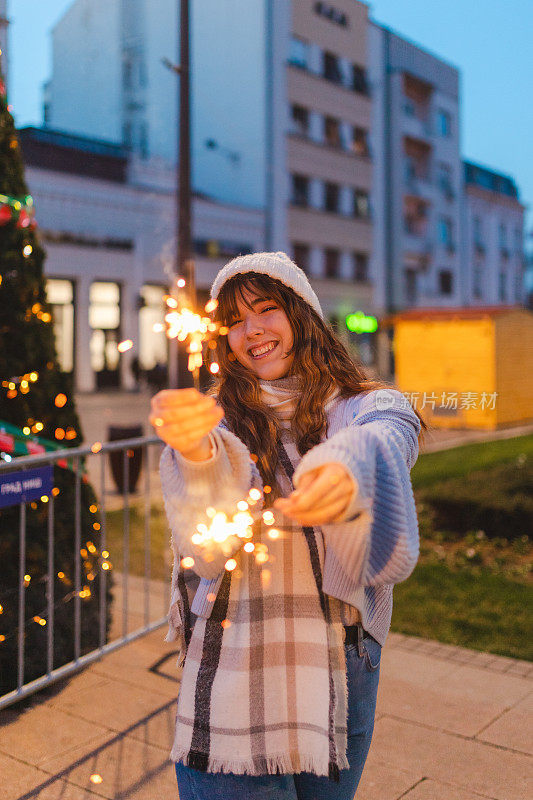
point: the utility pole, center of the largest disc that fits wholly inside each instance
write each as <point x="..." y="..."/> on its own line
<point x="184" y="265"/>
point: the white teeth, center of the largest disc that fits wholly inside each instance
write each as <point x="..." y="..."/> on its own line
<point x="259" y="351"/>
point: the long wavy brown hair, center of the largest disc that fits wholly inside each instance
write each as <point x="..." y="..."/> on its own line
<point x="320" y="358"/>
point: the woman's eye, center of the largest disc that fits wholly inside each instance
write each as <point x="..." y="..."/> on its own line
<point x="269" y="308"/>
<point x="233" y="322"/>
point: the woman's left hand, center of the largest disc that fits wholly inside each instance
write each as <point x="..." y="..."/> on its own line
<point x="322" y="496"/>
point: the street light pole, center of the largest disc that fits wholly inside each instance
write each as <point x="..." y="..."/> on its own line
<point x="184" y="263"/>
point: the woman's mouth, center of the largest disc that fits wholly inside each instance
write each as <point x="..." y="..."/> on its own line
<point x="262" y="350"/>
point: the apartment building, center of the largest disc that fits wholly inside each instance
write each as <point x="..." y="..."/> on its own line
<point x="107" y="222"/>
<point x="280" y="116"/>
<point x="493" y="242"/>
<point x="418" y="179"/>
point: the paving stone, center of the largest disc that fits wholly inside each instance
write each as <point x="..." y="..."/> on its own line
<point x="115" y="705"/>
<point x="443" y="710"/>
<point x="450" y="759"/>
<point x="484" y="686"/>
<point x="431" y="790"/>
<point x="419" y="668"/>
<point x="44" y="731"/>
<point x="18" y="777"/>
<point x="380" y="781"/>
<point x="129" y="769"/>
<point x="513" y="729"/>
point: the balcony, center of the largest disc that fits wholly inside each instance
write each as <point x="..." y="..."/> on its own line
<point x="418" y="185"/>
<point x="417" y="248"/>
<point x="415" y="125"/>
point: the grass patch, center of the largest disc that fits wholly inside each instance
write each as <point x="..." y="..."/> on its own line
<point x="482" y="611"/>
<point x="458" y="462"/>
<point x="160" y="552"/>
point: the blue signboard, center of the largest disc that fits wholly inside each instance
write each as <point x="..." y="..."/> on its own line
<point x="23" y="487"/>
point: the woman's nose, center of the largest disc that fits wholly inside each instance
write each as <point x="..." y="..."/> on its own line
<point x="253" y="326"/>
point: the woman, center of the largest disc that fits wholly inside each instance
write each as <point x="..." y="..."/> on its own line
<point x="281" y="657"/>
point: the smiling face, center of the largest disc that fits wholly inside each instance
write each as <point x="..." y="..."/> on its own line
<point x="260" y="336"/>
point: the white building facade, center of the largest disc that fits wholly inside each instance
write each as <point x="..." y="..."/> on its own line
<point x="493" y="243"/>
<point x="107" y="224"/>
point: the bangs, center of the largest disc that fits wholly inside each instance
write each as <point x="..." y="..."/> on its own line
<point x="259" y="286"/>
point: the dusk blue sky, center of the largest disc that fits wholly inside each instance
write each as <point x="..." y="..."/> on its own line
<point x="489" y="40"/>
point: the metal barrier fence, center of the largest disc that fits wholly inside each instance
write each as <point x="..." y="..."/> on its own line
<point x="75" y="456"/>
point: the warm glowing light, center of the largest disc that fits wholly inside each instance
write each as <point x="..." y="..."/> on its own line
<point x="70" y="433"/>
<point x="226" y="623"/>
<point x="2" y="637"/>
<point x="273" y="533"/>
<point x="61" y="575"/>
<point x="210" y="511"/>
<point x="60" y="400"/>
<point x="27" y="578"/>
<point x="96" y="526"/>
<point x="55" y="491"/>
<point x="46" y="317"/>
<point x="124" y="346"/>
<point x="39" y="426"/>
<point x="44" y="499"/>
<point x="223" y="330"/>
<point x="261" y="558"/>
<point x="268" y="517"/>
<point x="1" y="608"/>
<point x="214" y="368"/>
<point x="96" y="447"/>
<point x="33" y="376"/>
<point x="230" y="564"/>
<point x="158" y="422"/>
<point x="93" y="508"/>
<point x="96" y="778"/>
<point x="267" y="489"/>
<point x="105" y="553"/>
<point x="27" y="250"/>
<point x="181" y="283"/>
<point x="249" y="547"/>
<point x="26" y="431"/>
<point x="158" y="327"/>
<point x="254" y="494"/>
<point x="187" y="562"/>
<point x="59" y="433"/>
<point x="211" y="306"/>
<point x="106" y="565"/>
<point x="242" y="505"/>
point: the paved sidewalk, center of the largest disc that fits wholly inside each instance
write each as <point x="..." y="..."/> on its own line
<point x="452" y="724"/>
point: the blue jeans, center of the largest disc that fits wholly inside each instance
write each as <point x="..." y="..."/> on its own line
<point x="362" y="664"/>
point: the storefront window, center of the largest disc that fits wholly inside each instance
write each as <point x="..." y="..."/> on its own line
<point x="153" y="344"/>
<point x="60" y="295"/>
<point x="104" y="320"/>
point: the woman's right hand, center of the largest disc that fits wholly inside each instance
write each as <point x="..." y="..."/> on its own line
<point x="183" y="419"/>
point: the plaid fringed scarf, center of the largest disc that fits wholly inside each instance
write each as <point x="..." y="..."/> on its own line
<point x="263" y="688"/>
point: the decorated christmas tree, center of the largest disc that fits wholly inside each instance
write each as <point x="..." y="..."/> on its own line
<point x="37" y="412"/>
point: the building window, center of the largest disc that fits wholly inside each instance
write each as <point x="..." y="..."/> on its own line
<point x="127" y="73"/>
<point x="331" y="197"/>
<point x="301" y="254"/>
<point x="327" y="11"/>
<point x="502" y="288"/>
<point x="331" y="68"/>
<point x="60" y="296"/>
<point x="332" y="263"/>
<point x="444" y="123"/>
<point x="152" y="343"/>
<point x="360" y="267"/>
<point x="143" y="139"/>
<point x="445" y="282"/>
<point x="446" y="233"/>
<point x="332" y="132"/>
<point x="361" y="204"/>
<point x="300" y="191"/>
<point x="477" y="287"/>
<point x="300" y="120"/>
<point x="410" y="281"/>
<point x="478" y="234"/>
<point x="298" y="53"/>
<point x="518" y="287"/>
<point x="518" y="240"/>
<point x="127" y="135"/>
<point x="444" y="177"/>
<point x="360" y="142"/>
<point x="359" y="80"/>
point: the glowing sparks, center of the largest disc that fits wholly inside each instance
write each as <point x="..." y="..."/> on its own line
<point x="254" y="494"/>
<point x="230" y="564"/>
<point x="187" y="562"/>
<point x="249" y="547"/>
<point x="185" y="325"/>
<point x="124" y="346"/>
<point x="214" y="368"/>
<point x="268" y="517"/>
<point x="95" y="778"/>
<point x="273" y="533"/>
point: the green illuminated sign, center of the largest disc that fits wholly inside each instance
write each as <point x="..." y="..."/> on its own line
<point x="360" y="323"/>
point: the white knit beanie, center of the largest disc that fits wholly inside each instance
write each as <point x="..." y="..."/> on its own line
<point x="276" y="265"/>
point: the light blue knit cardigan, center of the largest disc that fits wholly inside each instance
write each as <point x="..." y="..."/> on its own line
<point x="375" y="436"/>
